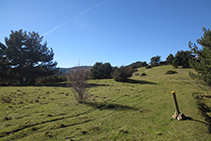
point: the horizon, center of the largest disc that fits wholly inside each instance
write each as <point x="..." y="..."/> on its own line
<point x="119" y="32"/>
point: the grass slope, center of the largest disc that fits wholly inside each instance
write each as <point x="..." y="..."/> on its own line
<point x="138" y="110"/>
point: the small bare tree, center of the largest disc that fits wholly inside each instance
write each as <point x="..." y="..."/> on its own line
<point x="78" y="81"/>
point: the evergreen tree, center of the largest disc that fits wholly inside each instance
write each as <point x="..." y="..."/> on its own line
<point x="202" y="62"/>
<point x="155" y="60"/>
<point x="101" y="71"/>
<point x="27" y="57"/>
<point x="107" y="68"/>
<point x="97" y="71"/>
<point x="182" y="59"/>
<point x="4" y="67"/>
<point x="169" y="59"/>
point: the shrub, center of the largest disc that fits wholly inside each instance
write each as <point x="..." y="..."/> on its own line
<point x="171" y="72"/>
<point x="121" y="74"/>
<point x="144" y="74"/>
<point x="148" y="67"/>
<point x="78" y="81"/>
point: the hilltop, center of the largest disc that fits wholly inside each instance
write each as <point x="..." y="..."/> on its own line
<point x="140" y="109"/>
<point x="65" y="71"/>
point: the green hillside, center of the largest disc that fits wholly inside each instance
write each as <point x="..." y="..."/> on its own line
<point x="140" y="109"/>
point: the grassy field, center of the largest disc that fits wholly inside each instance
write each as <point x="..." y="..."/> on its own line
<point x="140" y="109"/>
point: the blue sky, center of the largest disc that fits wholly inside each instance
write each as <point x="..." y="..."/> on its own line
<point x="116" y="31"/>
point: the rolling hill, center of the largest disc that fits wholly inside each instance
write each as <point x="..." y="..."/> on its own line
<point x="140" y="109"/>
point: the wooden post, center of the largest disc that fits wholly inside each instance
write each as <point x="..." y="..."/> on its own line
<point x="175" y="102"/>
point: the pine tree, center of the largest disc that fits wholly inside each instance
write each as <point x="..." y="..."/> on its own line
<point x="97" y="71"/>
<point x="27" y="57"/>
<point x="4" y="67"/>
<point x="155" y="60"/>
<point x="169" y="59"/>
<point x="101" y="71"/>
<point x="182" y="59"/>
<point x="202" y="62"/>
<point x="107" y="70"/>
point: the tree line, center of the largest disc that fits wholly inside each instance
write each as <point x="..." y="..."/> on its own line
<point x="25" y="59"/>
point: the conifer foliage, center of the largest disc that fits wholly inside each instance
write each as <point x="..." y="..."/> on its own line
<point x="24" y="58"/>
<point x="169" y="59"/>
<point x="155" y="60"/>
<point x="182" y="59"/>
<point x="202" y="62"/>
<point x="101" y="71"/>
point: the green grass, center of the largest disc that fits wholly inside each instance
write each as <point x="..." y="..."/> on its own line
<point x="140" y="109"/>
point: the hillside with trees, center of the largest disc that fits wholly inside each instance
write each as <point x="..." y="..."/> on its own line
<point x="131" y="102"/>
<point x="202" y="61"/>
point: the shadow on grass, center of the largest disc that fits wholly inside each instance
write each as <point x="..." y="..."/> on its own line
<point x="40" y="85"/>
<point x="67" y="85"/>
<point x="205" y="111"/>
<point x="109" y="106"/>
<point x="191" y="119"/>
<point x="26" y="126"/>
<point x="60" y="85"/>
<point x="55" y="85"/>
<point x="139" y="81"/>
<point x="96" y="85"/>
<point x="199" y="121"/>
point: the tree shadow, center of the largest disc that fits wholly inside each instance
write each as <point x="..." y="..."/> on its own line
<point x="62" y="85"/>
<point x="96" y="85"/>
<point x="40" y="85"/>
<point x="205" y="111"/>
<point x="109" y="106"/>
<point x="139" y="81"/>
<point x="199" y="121"/>
<point x="54" y="85"/>
<point x="203" y="122"/>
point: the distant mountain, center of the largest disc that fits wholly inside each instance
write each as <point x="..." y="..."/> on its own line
<point x="65" y="71"/>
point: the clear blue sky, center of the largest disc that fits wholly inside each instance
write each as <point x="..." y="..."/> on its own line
<point x="116" y="31"/>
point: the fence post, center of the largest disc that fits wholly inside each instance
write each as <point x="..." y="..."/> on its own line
<point x="177" y="115"/>
<point x="175" y="102"/>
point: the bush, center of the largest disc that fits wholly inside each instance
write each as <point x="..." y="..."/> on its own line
<point x="78" y="81"/>
<point x="171" y="72"/>
<point x="144" y="74"/>
<point x="121" y="74"/>
<point x="148" y="67"/>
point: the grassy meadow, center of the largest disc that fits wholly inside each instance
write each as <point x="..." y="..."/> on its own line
<point x="140" y="109"/>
